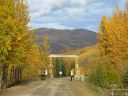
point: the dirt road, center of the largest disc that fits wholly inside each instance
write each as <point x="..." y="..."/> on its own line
<point x="54" y="87"/>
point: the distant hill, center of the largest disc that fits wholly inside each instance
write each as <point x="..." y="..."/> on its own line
<point x="64" y="40"/>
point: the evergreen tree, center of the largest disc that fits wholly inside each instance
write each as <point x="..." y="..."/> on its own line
<point x="63" y="69"/>
<point x="56" y="67"/>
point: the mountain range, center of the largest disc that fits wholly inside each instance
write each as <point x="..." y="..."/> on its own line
<point x="63" y="40"/>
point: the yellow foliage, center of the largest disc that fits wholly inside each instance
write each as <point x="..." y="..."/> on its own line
<point x="113" y="37"/>
<point x="88" y="52"/>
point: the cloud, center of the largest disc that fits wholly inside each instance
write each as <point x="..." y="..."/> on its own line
<point x="69" y="13"/>
<point x="56" y="26"/>
<point x="42" y="7"/>
<point x="73" y="11"/>
<point x="50" y="25"/>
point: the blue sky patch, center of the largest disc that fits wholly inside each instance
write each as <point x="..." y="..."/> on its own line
<point x="70" y="14"/>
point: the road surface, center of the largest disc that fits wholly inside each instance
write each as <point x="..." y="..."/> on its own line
<point x="55" y="87"/>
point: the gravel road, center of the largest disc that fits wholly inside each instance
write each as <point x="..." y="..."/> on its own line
<point x="54" y="87"/>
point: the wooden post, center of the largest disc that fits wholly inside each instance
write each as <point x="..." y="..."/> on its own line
<point x="50" y="67"/>
<point x="77" y="71"/>
<point x="112" y="92"/>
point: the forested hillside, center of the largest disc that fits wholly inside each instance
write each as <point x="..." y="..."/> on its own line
<point x="66" y="40"/>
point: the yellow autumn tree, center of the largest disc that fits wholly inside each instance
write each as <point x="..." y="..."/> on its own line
<point x="14" y="40"/>
<point x="45" y="51"/>
<point x="113" y="39"/>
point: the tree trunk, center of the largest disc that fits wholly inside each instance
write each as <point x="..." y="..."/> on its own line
<point x="4" y="76"/>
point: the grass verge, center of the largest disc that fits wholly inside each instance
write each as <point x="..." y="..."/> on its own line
<point x="94" y="90"/>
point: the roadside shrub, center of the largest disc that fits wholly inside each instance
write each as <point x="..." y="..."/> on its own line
<point x="105" y="76"/>
<point x="125" y="79"/>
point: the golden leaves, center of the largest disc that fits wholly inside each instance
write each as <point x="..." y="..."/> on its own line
<point x="113" y="35"/>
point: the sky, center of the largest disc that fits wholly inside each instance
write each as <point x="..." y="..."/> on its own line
<point x="70" y="14"/>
